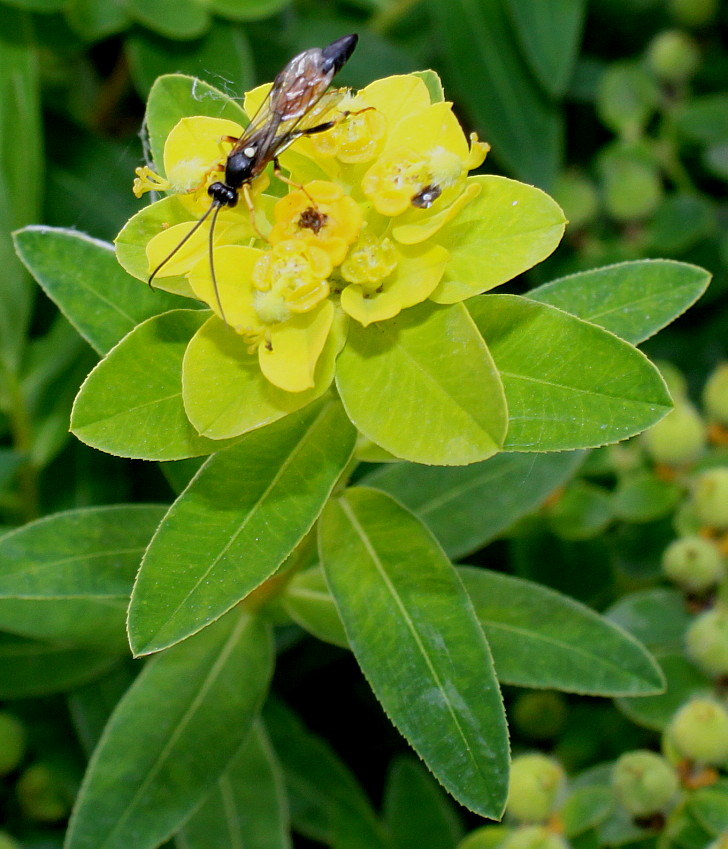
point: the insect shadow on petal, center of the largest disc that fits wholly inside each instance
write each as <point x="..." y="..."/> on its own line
<point x="293" y="108"/>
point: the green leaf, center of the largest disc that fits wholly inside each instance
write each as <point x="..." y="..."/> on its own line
<point x="32" y="668"/>
<point x="250" y="10"/>
<point x="94" y="20"/>
<point x="631" y="299"/>
<point x="68" y="577"/>
<point x="569" y="384"/>
<point x="585" y="808"/>
<point x="494" y="84"/>
<point x="172" y="736"/>
<point x="508" y="228"/>
<point x="222" y="54"/>
<point x="327" y="804"/>
<point x="224" y="391"/>
<point x="427" y="358"/>
<point x="92" y="704"/>
<point x="549" y="35"/>
<point x="383" y="566"/>
<point x="656" y="617"/>
<point x="417" y="812"/>
<point x="171" y="18"/>
<point x="36" y="5"/>
<point x="131" y="403"/>
<point x="582" y="511"/>
<point x="176" y="96"/>
<point x="239" y="518"/>
<point x="434" y="85"/>
<point x="248" y="806"/>
<point x="467" y="507"/>
<point x="644" y="497"/>
<point x="84" y="279"/>
<point x="683" y="680"/>
<point x="21" y="169"/>
<point x="705" y="118"/>
<point x="709" y="806"/>
<point x="309" y="603"/>
<point x="577" y="650"/>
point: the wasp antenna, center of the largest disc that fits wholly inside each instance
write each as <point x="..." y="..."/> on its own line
<point x="218" y="207"/>
<point x="169" y="256"/>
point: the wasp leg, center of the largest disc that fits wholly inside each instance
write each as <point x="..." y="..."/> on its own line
<point x="287" y="180"/>
<point x="245" y="189"/>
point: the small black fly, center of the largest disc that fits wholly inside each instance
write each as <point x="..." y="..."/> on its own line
<point x="293" y="108"/>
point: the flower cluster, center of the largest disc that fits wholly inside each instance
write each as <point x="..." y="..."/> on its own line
<point x="355" y="236"/>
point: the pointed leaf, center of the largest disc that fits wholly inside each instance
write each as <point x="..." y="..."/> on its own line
<point x="383" y="566"/>
<point x="247" y="808"/>
<point x="32" y="668"/>
<point x="172" y="736"/>
<point x="569" y="384"/>
<point x="494" y="84"/>
<point x="326" y="802"/>
<point x="426" y="359"/>
<point x="467" y="507"/>
<point x="549" y="35"/>
<point x="84" y="279"/>
<point x="236" y="522"/>
<point x="309" y="603"/>
<point x="68" y="577"/>
<point x="631" y="299"/>
<point x="576" y="649"/>
<point x="657" y="617"/>
<point x="131" y="403"/>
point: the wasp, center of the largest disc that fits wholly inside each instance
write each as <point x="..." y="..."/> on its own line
<point x="294" y="106"/>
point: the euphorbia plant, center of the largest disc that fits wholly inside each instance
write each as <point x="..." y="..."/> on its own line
<point x="347" y="325"/>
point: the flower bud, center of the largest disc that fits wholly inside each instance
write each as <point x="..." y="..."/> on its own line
<point x="673" y="56"/>
<point x="41" y="794"/>
<point x="694" y="563"/>
<point x="715" y="395"/>
<point x="693" y="13"/>
<point x="536" y="785"/>
<point x="644" y="783"/>
<point x="534" y="837"/>
<point x="699" y="731"/>
<point x="12" y="742"/>
<point x="711" y="498"/>
<point x="678" y="439"/>
<point x="707" y="641"/>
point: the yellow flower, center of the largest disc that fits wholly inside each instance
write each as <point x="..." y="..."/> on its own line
<point x="321" y="214"/>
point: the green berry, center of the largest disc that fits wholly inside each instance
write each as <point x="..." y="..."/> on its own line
<point x="710" y="497"/>
<point x="677" y="384"/>
<point x="8" y="842"/>
<point x="693" y="13"/>
<point x="678" y="439"/>
<point x="695" y="564"/>
<point x="12" y="742"/>
<point x="533" y="837"/>
<point x="699" y="732"/>
<point x="539" y="715"/>
<point x="673" y="56"/>
<point x="707" y="641"/>
<point x="632" y="187"/>
<point x="644" y="783"/>
<point x="577" y="196"/>
<point x="41" y="794"/>
<point x="626" y="98"/>
<point x="715" y="395"/>
<point x="485" y="837"/>
<point x="536" y="786"/>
